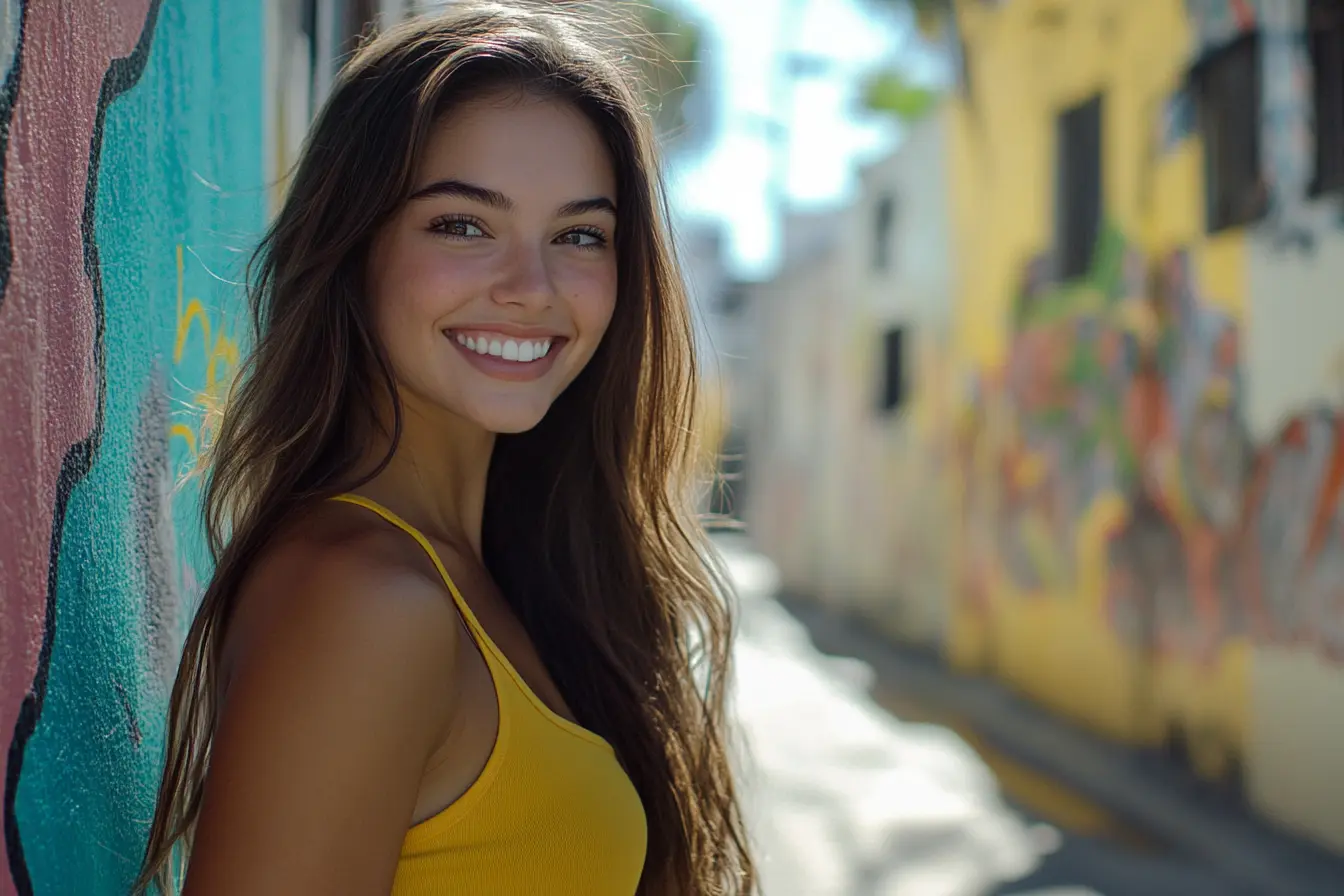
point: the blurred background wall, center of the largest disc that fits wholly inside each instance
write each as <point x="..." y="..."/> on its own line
<point x="1059" y="396"/>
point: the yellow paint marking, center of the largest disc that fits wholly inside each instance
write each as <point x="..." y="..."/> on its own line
<point x="220" y="355"/>
<point x="185" y="432"/>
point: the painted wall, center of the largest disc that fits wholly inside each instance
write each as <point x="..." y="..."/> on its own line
<point x="793" y="351"/>
<point x="1153" y="460"/>
<point x="133" y="186"/>
<point x="1294" y="360"/>
<point x="1126" y="489"/>
<point x="841" y="484"/>
<point x="1052" y="403"/>
<point x="887" y="487"/>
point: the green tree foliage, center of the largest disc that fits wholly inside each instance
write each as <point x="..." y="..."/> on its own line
<point x="891" y="91"/>
<point x="930" y="15"/>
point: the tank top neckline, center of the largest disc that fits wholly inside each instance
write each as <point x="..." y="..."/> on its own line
<point x="477" y="630"/>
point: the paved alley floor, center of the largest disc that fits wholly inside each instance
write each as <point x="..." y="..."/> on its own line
<point x="846" y="798"/>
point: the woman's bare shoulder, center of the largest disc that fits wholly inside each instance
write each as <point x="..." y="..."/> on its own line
<point x="340" y="666"/>
<point x="337" y="559"/>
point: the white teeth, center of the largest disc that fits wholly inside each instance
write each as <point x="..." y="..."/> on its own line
<point x="522" y="351"/>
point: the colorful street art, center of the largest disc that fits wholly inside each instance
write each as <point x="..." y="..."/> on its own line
<point x="1127" y="386"/>
<point x="1295" y="535"/>
<point x="132" y="186"/>
<point x="1148" y="500"/>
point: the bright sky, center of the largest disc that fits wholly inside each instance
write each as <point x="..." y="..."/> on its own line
<point x="732" y="181"/>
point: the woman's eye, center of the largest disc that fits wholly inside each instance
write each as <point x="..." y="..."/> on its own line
<point x="583" y="239"/>
<point x="458" y="228"/>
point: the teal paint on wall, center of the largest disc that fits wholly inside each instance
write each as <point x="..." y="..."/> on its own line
<point x="178" y="181"/>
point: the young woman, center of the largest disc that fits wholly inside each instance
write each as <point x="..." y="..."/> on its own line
<point x="449" y="641"/>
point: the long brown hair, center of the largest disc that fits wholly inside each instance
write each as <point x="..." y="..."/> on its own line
<point x="608" y="574"/>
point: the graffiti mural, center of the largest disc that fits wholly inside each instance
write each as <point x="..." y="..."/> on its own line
<point x="1295" y="535"/>
<point x="132" y="184"/>
<point x="1149" y="457"/>
<point x="1128" y="384"/>
<point x="1050" y="425"/>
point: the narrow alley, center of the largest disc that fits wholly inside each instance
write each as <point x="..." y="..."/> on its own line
<point x="862" y="782"/>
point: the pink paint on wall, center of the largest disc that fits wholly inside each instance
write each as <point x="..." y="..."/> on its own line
<point x="48" y="320"/>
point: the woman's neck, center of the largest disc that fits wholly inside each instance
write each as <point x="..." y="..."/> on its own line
<point x="436" y="479"/>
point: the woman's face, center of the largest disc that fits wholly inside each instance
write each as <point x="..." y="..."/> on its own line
<point x="493" y="285"/>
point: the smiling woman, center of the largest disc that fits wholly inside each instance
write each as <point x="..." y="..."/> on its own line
<point x="507" y="241"/>
<point x="447" y="647"/>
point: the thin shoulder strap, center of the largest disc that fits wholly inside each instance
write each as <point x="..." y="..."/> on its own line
<point x="359" y="500"/>
<point x="483" y="640"/>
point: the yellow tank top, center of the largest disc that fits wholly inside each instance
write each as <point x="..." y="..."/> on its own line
<point x="552" y="812"/>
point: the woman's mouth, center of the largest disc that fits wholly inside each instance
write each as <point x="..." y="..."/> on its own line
<point x="506" y="357"/>
<point x="506" y="347"/>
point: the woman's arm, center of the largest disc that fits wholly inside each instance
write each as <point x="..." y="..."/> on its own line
<point x="339" y="693"/>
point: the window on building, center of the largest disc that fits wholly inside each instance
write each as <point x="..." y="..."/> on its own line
<point x="308" y="29"/>
<point x="1078" y="187"/>
<point x="733" y="299"/>
<point x="1325" y="29"/>
<point x="965" y="72"/>
<point x="893" y="369"/>
<point x="1226" y="87"/>
<point x="885" y="219"/>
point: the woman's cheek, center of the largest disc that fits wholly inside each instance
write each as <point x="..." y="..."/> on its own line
<point x="592" y="296"/>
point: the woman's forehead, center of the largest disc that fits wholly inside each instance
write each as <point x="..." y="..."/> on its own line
<point x="536" y="152"/>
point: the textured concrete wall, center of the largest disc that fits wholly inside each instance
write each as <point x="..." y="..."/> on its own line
<point x="132" y="181"/>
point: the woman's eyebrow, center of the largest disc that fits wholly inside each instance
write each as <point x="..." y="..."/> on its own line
<point x="463" y="190"/>
<point x="460" y="189"/>
<point x="584" y="206"/>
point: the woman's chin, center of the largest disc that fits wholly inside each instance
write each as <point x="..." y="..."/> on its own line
<point x="509" y="421"/>
<point x="511" y="429"/>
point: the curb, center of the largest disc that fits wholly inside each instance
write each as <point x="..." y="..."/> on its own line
<point x="1142" y="788"/>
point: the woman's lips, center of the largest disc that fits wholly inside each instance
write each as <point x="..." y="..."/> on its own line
<point x="502" y="356"/>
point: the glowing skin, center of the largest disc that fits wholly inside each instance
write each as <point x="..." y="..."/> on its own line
<point x="509" y="236"/>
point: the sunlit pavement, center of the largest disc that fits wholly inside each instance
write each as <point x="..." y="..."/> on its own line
<point x="851" y="790"/>
<point x="842" y="798"/>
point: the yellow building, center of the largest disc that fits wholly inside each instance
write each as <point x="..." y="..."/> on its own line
<point x="1151" y="533"/>
<point x="1059" y="393"/>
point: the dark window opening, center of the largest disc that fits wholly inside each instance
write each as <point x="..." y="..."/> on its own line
<point x="308" y="28"/>
<point x="1226" y="87"/>
<point x="893" y="369"/>
<point x="1325" y="31"/>
<point x="882" y="226"/>
<point x="733" y="299"/>
<point x="1078" y="188"/>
